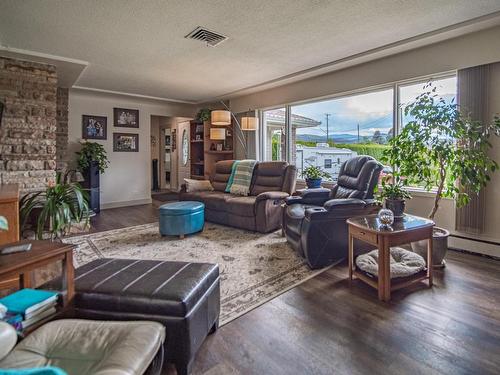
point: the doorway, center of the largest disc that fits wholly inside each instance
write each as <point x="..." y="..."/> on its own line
<point x="162" y="166"/>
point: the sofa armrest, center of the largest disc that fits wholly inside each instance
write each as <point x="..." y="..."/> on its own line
<point x="271" y="195"/>
<point x="342" y="209"/>
<point x="315" y="197"/>
<point x="343" y="203"/>
<point x="8" y="339"/>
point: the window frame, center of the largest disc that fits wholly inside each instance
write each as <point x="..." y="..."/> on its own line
<point x="397" y="110"/>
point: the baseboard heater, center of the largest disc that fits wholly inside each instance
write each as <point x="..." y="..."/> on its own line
<point x="475" y="245"/>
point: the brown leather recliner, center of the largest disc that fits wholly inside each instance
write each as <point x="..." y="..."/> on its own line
<point x="315" y="222"/>
<point x="272" y="182"/>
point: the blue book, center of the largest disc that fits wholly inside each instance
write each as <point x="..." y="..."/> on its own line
<point x="25" y="301"/>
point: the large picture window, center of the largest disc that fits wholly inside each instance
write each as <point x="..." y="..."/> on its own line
<point x="327" y="132"/>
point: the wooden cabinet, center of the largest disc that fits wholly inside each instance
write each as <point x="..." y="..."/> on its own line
<point x="9" y="207"/>
<point x="203" y="156"/>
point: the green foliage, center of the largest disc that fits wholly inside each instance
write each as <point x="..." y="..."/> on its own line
<point x="92" y="151"/>
<point x="57" y="207"/>
<point x="440" y="147"/>
<point x="392" y="188"/>
<point x="203" y="114"/>
<point x="312" y="172"/>
<point x="372" y="149"/>
<point x="275" y="147"/>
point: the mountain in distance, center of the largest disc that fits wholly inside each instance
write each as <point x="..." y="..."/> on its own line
<point x="336" y="138"/>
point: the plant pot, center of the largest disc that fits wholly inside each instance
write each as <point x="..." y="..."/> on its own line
<point x="313" y="183"/>
<point x="439" y="247"/>
<point x="397" y="206"/>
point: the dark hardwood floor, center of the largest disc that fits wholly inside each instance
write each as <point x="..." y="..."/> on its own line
<point x="327" y="326"/>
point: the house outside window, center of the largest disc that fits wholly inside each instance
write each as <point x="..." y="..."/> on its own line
<point x="328" y="163"/>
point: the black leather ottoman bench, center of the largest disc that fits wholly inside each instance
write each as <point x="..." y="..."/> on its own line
<point x="185" y="297"/>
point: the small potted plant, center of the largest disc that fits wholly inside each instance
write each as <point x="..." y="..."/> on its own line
<point x="203" y="115"/>
<point x="444" y="152"/>
<point x="313" y="176"/>
<point x="92" y="155"/>
<point x="393" y="194"/>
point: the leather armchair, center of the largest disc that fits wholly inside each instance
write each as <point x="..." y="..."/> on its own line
<point x="315" y="222"/>
<point x="86" y="347"/>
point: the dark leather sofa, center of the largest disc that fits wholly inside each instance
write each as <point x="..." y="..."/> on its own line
<point x="272" y="182"/>
<point x="315" y="222"/>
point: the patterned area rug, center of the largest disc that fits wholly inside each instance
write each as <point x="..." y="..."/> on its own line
<point x="254" y="267"/>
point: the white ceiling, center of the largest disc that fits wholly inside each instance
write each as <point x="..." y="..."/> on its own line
<point x="138" y="47"/>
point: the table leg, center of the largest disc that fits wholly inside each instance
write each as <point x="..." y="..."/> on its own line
<point x="351" y="255"/>
<point x="25" y="280"/>
<point x="68" y="277"/>
<point x="384" y="271"/>
<point x="429" y="260"/>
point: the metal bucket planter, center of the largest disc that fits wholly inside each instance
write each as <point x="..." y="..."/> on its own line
<point x="397" y="206"/>
<point x="439" y="247"/>
<point x="313" y="183"/>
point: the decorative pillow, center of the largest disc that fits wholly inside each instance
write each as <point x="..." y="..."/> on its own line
<point x="403" y="262"/>
<point x="198" y="185"/>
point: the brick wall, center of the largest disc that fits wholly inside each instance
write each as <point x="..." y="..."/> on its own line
<point x="62" y="129"/>
<point x="28" y="130"/>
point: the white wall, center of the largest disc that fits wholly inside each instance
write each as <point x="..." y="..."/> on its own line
<point x="127" y="181"/>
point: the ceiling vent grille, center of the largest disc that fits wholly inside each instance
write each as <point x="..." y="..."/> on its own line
<point x="211" y="38"/>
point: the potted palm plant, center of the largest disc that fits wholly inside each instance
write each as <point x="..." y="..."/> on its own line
<point x="442" y="151"/>
<point x="393" y="194"/>
<point x="55" y="209"/>
<point x="313" y="176"/>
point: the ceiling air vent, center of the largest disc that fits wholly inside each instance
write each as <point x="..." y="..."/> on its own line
<point x="211" y="38"/>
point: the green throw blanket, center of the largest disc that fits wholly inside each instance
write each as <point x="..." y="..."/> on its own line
<point x="242" y="177"/>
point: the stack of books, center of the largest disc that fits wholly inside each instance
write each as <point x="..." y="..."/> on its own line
<point x="29" y="306"/>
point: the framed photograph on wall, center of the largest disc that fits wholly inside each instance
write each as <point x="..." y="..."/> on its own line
<point x="126" y="118"/>
<point x="94" y="127"/>
<point x="125" y="142"/>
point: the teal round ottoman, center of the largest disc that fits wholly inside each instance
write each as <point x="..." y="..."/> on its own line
<point x="180" y="218"/>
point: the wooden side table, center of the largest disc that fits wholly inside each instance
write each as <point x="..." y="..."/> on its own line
<point x="368" y="229"/>
<point x="19" y="265"/>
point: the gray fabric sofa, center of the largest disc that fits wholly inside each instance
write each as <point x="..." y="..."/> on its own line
<point x="272" y="182"/>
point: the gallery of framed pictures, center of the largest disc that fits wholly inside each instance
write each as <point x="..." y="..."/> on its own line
<point x="125" y="142"/>
<point x="126" y="118"/>
<point x="94" y="127"/>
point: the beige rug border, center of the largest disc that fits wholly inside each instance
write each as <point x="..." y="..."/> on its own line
<point x="267" y="299"/>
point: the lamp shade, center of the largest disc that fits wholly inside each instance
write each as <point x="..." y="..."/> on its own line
<point x="249" y="123"/>
<point x="220" y="117"/>
<point x="218" y="134"/>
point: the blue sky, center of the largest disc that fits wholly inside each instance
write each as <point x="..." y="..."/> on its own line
<point x="373" y="111"/>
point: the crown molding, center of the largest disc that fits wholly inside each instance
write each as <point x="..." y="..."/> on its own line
<point x="148" y="97"/>
<point x="449" y="32"/>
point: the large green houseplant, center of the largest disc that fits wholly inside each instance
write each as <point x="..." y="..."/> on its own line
<point x="443" y="151"/>
<point x="55" y="209"/>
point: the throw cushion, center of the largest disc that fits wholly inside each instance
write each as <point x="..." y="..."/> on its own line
<point x="243" y="177"/>
<point x="403" y="262"/>
<point x="197" y="185"/>
<point x="231" y="177"/>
